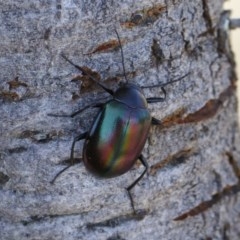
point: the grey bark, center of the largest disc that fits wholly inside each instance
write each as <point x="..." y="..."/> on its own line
<point x="192" y="190"/>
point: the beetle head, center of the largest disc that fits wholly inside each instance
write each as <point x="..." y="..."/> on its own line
<point x="131" y="95"/>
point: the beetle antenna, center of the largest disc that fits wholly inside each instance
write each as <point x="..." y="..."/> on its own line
<point x="120" y="45"/>
<point x="165" y="84"/>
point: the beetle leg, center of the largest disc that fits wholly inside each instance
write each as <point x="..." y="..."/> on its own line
<point x="145" y="164"/>
<point x="95" y="105"/>
<point x="78" y="138"/>
<point x="77" y="112"/>
<point x="158" y="99"/>
<point x="110" y="91"/>
<point x="155" y="121"/>
<point x="165" y="84"/>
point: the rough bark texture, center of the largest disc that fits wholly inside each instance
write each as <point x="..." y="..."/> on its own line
<point x="192" y="191"/>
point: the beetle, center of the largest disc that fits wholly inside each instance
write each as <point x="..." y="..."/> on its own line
<point x="119" y="132"/>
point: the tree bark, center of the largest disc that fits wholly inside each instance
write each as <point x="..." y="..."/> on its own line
<point x="192" y="189"/>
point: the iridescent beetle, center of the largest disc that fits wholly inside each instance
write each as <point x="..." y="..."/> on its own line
<point x="120" y="130"/>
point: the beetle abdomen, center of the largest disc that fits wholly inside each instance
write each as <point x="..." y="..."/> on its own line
<point x="116" y="139"/>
